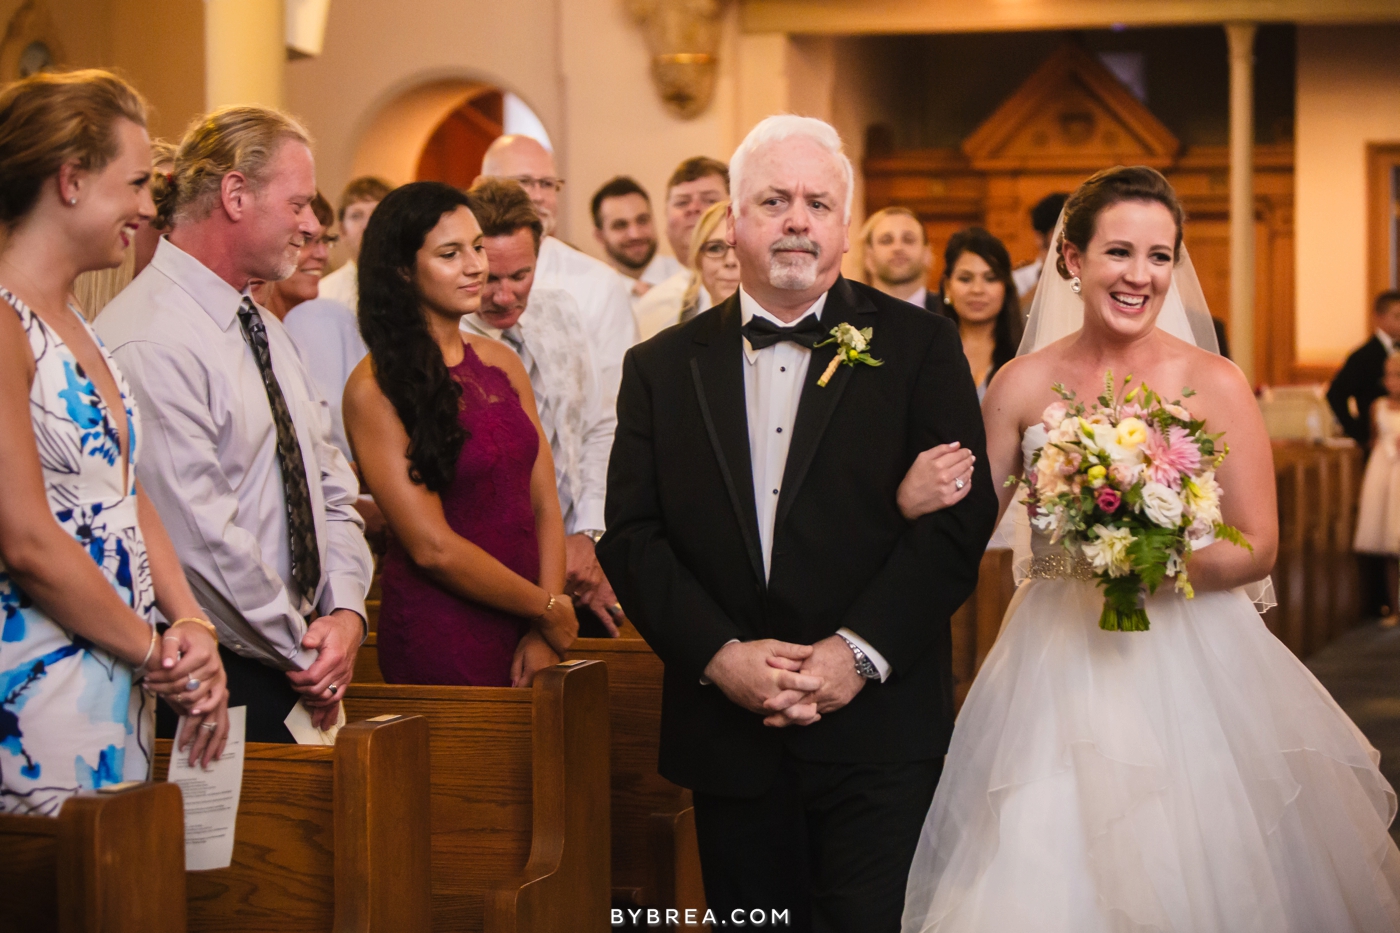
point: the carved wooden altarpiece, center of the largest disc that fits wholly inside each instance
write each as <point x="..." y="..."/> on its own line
<point x="1071" y="118"/>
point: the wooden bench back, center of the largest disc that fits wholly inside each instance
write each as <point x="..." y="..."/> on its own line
<point x="977" y="622"/>
<point x="520" y="807"/>
<point x="327" y="837"/>
<point x="110" y="862"/>
<point x="645" y="806"/>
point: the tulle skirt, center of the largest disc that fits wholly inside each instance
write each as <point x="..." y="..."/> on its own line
<point x="1193" y="778"/>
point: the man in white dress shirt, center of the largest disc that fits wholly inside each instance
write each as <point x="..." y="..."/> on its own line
<point x="897" y="256"/>
<point x="697" y="184"/>
<point x="357" y="202"/>
<point x="237" y="453"/>
<point x="754" y="541"/>
<point x="542" y="326"/>
<point x="624" y="225"/>
<point x="603" y="301"/>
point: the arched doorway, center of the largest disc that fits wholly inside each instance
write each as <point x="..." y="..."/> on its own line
<point x="439" y="131"/>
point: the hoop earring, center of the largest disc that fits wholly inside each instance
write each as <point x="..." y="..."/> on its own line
<point x="1074" y="285"/>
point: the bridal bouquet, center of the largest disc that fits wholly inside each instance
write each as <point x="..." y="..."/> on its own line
<point x="1130" y="483"/>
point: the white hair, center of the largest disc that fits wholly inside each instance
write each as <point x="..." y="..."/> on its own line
<point x="785" y="126"/>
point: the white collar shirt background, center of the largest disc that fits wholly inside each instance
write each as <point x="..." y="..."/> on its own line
<point x="343" y="285"/>
<point x="1386" y="340"/>
<point x="773" y="381"/>
<point x="584" y="422"/>
<point x="328" y="338"/>
<point x="657" y="271"/>
<point x="209" y="458"/>
<point x="604" y="306"/>
<point x="659" y="308"/>
<point x="919" y="298"/>
<point x="1026" y="277"/>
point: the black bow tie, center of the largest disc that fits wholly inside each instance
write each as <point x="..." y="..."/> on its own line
<point x="762" y="332"/>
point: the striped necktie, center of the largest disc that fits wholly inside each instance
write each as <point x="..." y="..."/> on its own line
<point x="301" y="522"/>
<point x="515" y="338"/>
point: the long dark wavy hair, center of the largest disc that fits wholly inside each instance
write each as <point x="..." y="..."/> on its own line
<point x="1009" y="325"/>
<point x="408" y="363"/>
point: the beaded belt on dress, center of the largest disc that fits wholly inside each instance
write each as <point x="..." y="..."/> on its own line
<point x="1060" y="566"/>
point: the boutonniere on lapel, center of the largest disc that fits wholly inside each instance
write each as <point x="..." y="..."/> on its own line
<point x="853" y="346"/>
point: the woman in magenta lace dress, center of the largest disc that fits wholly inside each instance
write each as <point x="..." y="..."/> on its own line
<point x="447" y="438"/>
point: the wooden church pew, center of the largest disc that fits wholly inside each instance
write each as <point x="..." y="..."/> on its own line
<point x="520" y="806"/>
<point x="110" y="862"/>
<point x="328" y="838"/>
<point x="977" y="622"/>
<point x="655" y="860"/>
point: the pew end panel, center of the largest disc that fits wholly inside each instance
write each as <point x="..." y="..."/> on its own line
<point x="111" y="861"/>
<point x="308" y="815"/>
<point x="519" y="817"/>
<point x="643" y="802"/>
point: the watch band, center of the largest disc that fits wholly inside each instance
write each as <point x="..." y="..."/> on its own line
<point x="593" y="534"/>
<point x="864" y="666"/>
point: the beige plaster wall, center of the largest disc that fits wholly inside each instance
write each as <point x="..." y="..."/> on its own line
<point x="379" y="51"/>
<point x="1348" y="95"/>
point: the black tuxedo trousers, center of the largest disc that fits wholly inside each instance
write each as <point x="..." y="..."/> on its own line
<point x="682" y="551"/>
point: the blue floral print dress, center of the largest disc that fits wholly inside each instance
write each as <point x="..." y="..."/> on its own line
<point x="70" y="719"/>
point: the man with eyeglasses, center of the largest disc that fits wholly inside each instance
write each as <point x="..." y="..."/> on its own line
<point x="603" y="301"/>
<point x="697" y="183"/>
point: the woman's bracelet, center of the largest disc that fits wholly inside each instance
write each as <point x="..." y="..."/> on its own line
<point x="150" y="650"/>
<point x="547" y="606"/>
<point x="205" y="623"/>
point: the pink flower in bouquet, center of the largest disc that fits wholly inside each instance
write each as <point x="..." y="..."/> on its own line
<point x="1108" y="499"/>
<point x="1130" y="410"/>
<point x="1171" y="456"/>
<point x="1053" y="415"/>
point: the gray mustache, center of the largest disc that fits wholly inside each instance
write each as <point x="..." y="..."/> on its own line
<point x="796" y="243"/>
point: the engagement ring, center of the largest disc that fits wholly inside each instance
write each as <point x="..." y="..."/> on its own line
<point x="959" y="483"/>
<point x="191" y="685"/>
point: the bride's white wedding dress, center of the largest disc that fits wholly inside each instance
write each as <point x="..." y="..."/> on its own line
<point x="1191" y="778"/>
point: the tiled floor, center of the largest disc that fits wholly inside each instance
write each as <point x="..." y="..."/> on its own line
<point x="1362" y="671"/>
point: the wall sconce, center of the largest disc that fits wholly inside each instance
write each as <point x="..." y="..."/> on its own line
<point x="683" y="38"/>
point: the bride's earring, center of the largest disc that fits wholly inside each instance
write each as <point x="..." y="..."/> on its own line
<point x="1074" y="285"/>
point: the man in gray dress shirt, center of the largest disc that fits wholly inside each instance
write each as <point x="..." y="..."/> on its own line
<point x="543" y="326"/>
<point x="236" y="444"/>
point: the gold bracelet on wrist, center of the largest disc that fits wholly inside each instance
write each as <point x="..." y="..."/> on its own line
<point x="547" y="606"/>
<point x="141" y="670"/>
<point x="205" y="623"/>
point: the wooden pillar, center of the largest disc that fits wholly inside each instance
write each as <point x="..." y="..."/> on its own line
<point x="1241" y="36"/>
<point x="245" y="52"/>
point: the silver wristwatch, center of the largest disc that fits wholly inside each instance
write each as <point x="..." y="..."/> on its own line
<point x="864" y="666"/>
<point x="593" y="534"/>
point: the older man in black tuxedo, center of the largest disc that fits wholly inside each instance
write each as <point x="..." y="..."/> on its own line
<point x="754" y="539"/>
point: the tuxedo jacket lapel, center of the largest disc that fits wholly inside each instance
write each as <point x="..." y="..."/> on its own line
<point x="818" y="403"/>
<point x="717" y="370"/>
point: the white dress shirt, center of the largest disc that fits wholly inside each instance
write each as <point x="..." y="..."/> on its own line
<point x="328" y="338"/>
<point x="343" y="285"/>
<point x="659" y="308"/>
<point x="773" y="380"/>
<point x="1386" y="341"/>
<point x="604" y="306"/>
<point x="209" y="457"/>
<point x="920" y="297"/>
<point x="583" y="424"/>
<point x="657" y="271"/>
<point x="1025" y="277"/>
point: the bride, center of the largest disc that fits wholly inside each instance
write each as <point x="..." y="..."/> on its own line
<point x="1194" y="777"/>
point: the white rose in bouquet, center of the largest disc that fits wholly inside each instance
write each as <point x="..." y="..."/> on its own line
<point x="1161" y="504"/>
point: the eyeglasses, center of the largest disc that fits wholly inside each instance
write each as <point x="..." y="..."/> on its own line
<point x="548" y="183"/>
<point x="715" y="249"/>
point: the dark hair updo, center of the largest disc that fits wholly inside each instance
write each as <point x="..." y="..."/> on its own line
<point x="1105" y="189"/>
<point x="408" y="363"/>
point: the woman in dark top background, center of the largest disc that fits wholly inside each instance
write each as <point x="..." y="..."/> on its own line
<point x="447" y="438"/>
<point x="979" y="295"/>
